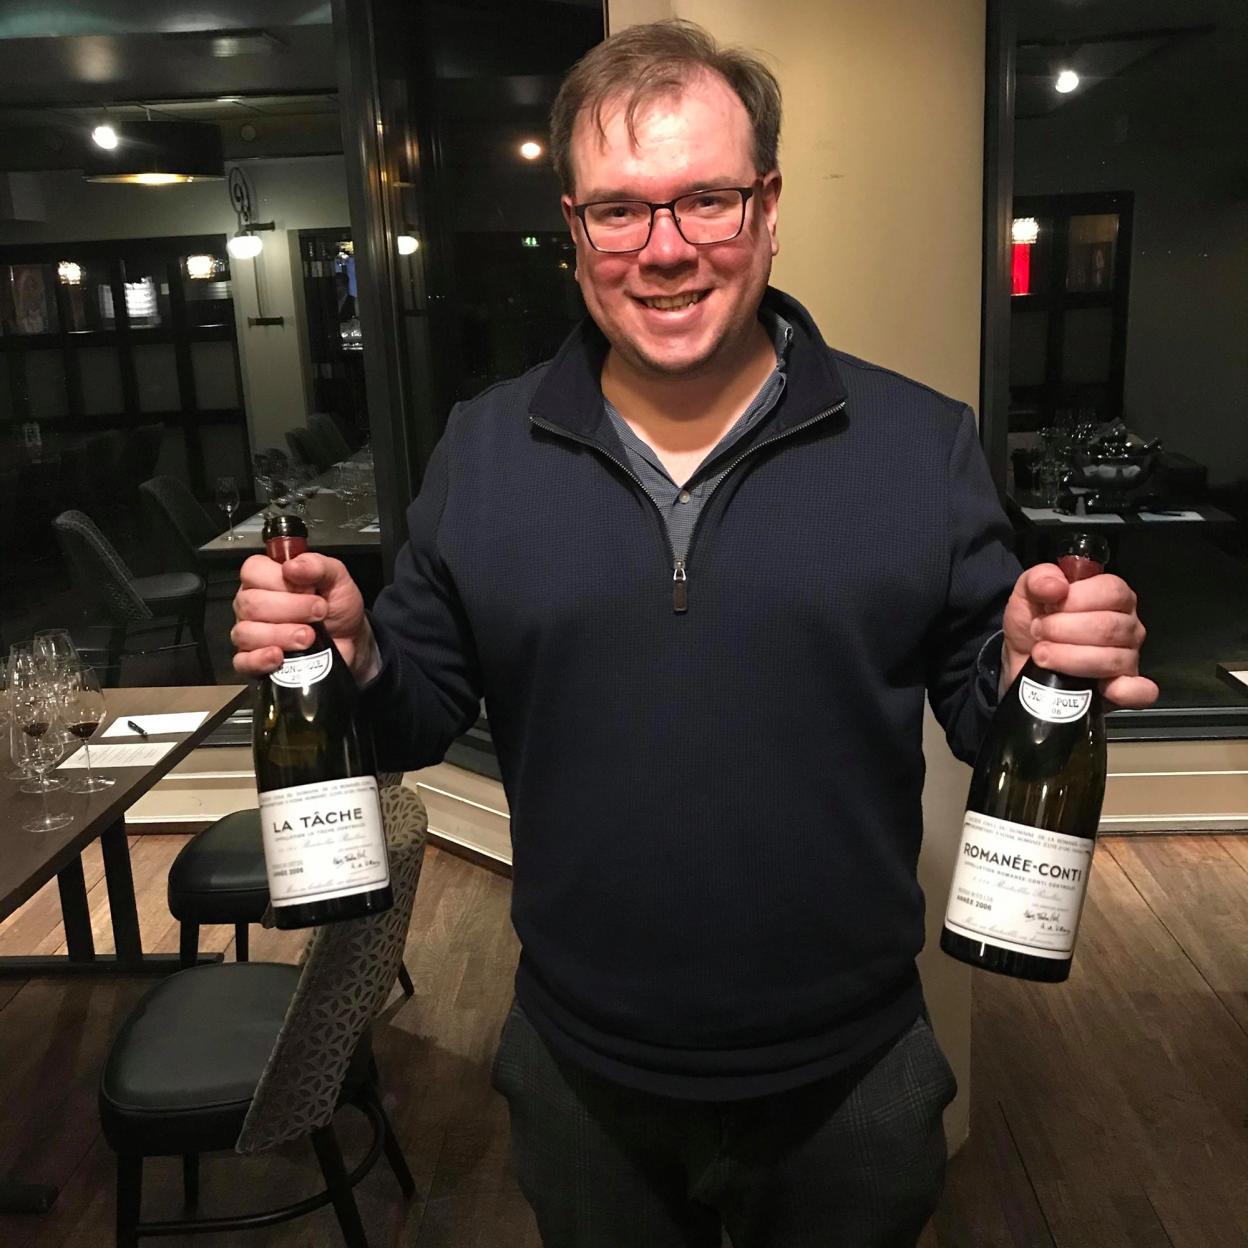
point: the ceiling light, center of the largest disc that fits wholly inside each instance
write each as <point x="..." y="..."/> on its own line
<point x="407" y="243"/>
<point x="104" y="136"/>
<point x="155" y="153"/>
<point x="531" y="150"/>
<point x="1067" y="81"/>
<point x="245" y="246"/>
<point x="229" y="99"/>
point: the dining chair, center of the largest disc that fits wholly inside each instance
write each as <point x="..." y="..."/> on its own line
<point x="129" y="603"/>
<point x="182" y="524"/>
<point x="325" y="427"/>
<point x="306" y="447"/>
<point x="219" y="877"/>
<point x="249" y="1056"/>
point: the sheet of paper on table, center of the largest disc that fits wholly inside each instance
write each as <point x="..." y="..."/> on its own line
<point x="106" y="756"/>
<point x="155" y="725"/>
<point x="253" y="524"/>
<point x="1050" y="513"/>
<point x="1159" y="516"/>
<point x="371" y="528"/>
<point x="1241" y="676"/>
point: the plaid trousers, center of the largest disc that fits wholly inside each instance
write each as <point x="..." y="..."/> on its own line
<point x="854" y="1161"/>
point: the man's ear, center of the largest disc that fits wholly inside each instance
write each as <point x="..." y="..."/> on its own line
<point x="769" y="195"/>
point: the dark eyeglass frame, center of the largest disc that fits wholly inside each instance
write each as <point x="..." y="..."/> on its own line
<point x="746" y="193"/>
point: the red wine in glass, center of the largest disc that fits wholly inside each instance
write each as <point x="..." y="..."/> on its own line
<point x="83" y="729"/>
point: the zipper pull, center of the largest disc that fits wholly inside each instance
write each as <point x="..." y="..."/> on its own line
<point x="680" y="587"/>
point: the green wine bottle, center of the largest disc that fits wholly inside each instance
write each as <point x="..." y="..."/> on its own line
<point x="324" y="845"/>
<point x="1031" y="816"/>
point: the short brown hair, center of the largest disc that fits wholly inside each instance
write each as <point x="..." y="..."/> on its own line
<point x="644" y="63"/>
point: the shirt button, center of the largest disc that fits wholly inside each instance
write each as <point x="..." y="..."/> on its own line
<point x="684" y="496"/>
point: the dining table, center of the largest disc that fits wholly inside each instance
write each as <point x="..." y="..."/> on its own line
<point x="334" y="527"/>
<point x="32" y="859"/>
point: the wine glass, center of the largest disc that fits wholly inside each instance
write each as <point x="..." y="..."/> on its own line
<point x="56" y="649"/>
<point x="227" y="500"/>
<point x="28" y="683"/>
<point x="82" y="712"/>
<point x="39" y="744"/>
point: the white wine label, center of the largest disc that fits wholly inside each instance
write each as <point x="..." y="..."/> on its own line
<point x="323" y="840"/>
<point x="301" y="670"/>
<point x="1057" y="706"/>
<point x="1018" y="887"/>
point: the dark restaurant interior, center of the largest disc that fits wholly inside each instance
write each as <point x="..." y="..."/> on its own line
<point x="252" y="253"/>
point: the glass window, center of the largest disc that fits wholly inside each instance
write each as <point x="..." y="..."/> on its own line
<point x="1126" y="354"/>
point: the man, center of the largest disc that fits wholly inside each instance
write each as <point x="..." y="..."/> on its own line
<point x="704" y="569"/>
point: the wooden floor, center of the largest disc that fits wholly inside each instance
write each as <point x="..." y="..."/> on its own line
<point x="1111" y="1112"/>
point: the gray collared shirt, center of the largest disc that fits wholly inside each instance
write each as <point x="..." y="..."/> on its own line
<point x="681" y="506"/>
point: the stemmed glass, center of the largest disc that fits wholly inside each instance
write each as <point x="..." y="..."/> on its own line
<point x="82" y="709"/>
<point x="227" y="500"/>
<point x="38" y="743"/>
<point x="28" y="684"/>
<point x="55" y="649"/>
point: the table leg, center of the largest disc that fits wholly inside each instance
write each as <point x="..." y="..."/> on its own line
<point x="121" y="901"/>
<point x="75" y="913"/>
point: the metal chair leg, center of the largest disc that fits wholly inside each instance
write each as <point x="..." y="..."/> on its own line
<point x="190" y="1179"/>
<point x="129" y="1199"/>
<point x="188" y="944"/>
<point x="405" y="980"/>
<point x="196" y="623"/>
<point x="240" y="942"/>
<point x="325" y="1142"/>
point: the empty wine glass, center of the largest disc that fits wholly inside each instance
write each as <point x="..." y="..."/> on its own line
<point x="227" y="500"/>
<point x="82" y="712"/>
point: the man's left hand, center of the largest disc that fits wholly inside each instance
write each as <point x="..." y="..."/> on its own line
<point x="1082" y="628"/>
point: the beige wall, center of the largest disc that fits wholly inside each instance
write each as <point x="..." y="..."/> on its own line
<point x="882" y="155"/>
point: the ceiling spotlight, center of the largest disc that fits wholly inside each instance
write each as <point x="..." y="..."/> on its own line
<point x="407" y="244"/>
<point x="1067" y="81"/>
<point x="531" y="150"/>
<point x="104" y="136"/>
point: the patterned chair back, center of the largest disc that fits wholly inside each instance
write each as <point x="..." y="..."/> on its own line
<point x="348" y="972"/>
<point x="99" y="573"/>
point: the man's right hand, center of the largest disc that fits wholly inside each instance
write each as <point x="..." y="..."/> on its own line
<point x="276" y="601"/>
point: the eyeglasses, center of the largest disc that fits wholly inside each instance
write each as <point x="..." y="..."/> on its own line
<point x="701" y="217"/>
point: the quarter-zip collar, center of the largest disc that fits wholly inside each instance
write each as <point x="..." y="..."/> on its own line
<point x="569" y="397"/>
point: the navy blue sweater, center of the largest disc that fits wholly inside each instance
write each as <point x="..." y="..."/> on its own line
<point x="715" y="812"/>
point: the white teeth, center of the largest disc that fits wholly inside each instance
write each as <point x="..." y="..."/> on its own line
<point x="672" y="303"/>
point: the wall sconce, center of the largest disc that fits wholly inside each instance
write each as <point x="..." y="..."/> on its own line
<point x="408" y="244"/>
<point x="247" y="243"/>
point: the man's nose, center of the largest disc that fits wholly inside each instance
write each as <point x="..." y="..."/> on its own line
<point x="666" y="245"/>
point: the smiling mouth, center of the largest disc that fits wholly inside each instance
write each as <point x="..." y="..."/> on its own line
<point x="674" y="303"/>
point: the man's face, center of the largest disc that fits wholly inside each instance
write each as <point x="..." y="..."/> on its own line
<point x="697" y="140"/>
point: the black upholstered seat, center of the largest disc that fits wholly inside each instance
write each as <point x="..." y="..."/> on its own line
<point x="183" y="1070"/>
<point x="218" y="876"/>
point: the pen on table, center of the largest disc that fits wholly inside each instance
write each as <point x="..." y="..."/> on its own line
<point x="141" y="731"/>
